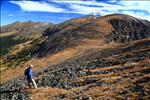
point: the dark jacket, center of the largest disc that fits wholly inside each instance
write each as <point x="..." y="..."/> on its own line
<point x="28" y="73"/>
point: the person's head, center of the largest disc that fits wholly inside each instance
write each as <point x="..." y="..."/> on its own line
<point x="30" y="66"/>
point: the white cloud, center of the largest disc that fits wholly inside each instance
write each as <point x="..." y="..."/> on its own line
<point x="87" y="10"/>
<point x="137" y="15"/>
<point x="37" y="6"/>
<point x="140" y="9"/>
<point x="125" y="7"/>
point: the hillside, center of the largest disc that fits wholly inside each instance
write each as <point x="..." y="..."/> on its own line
<point x="87" y="58"/>
<point x="111" y="29"/>
<point x="26" y="29"/>
<point x="18" y="36"/>
<point x="117" y="72"/>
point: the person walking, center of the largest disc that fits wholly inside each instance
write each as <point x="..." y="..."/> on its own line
<point x="28" y="74"/>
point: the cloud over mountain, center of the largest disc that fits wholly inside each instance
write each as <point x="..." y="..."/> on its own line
<point x="139" y="9"/>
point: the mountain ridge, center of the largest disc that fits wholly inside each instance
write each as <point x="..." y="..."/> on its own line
<point x="112" y="28"/>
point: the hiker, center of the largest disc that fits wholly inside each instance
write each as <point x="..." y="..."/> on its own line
<point x="28" y="74"/>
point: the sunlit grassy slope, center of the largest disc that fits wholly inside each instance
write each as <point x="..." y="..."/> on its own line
<point x="8" y="40"/>
<point x="18" y="41"/>
<point x="15" y="50"/>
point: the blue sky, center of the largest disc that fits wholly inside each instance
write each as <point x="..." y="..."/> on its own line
<point x="57" y="11"/>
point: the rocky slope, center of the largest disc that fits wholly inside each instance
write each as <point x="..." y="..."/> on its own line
<point x="120" y="72"/>
<point x="114" y="64"/>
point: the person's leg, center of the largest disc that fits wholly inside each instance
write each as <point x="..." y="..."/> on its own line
<point x="29" y="84"/>
<point x="34" y="83"/>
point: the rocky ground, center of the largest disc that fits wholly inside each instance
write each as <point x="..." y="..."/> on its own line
<point x="120" y="72"/>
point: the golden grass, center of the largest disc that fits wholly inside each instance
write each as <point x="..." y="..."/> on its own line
<point x="7" y="34"/>
<point x="46" y="93"/>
